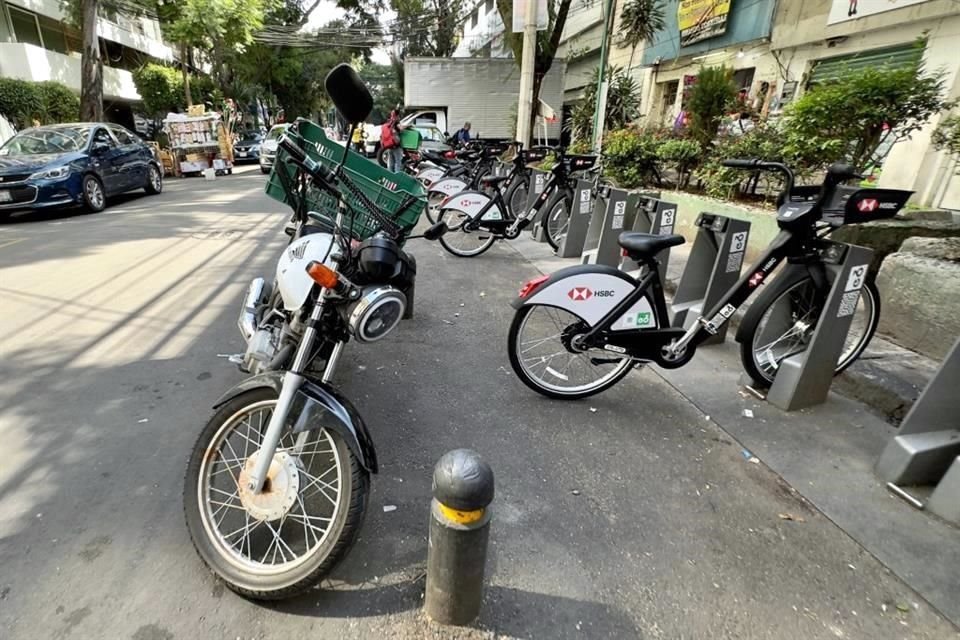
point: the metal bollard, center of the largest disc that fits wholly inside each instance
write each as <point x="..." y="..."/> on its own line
<point x="459" y="529"/>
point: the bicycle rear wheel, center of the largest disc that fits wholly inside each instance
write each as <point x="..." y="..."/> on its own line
<point x="781" y="324"/>
<point x="557" y="220"/>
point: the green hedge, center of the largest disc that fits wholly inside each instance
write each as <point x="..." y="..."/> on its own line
<point x="22" y="102"/>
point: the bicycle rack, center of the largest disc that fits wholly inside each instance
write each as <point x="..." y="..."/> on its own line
<point x="538" y="179"/>
<point x="926" y="451"/>
<point x="654" y="216"/>
<point x="583" y="202"/>
<point x="712" y="269"/>
<point x="804" y="379"/>
<point x="612" y="214"/>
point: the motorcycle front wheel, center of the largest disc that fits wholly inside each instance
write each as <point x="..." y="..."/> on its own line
<point x="278" y="543"/>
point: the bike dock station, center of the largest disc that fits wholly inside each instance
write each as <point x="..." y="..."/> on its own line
<point x="926" y="451"/>
<point x="538" y="180"/>
<point x="651" y="215"/>
<point x="572" y="244"/>
<point x="803" y="380"/>
<point x="712" y="268"/>
<point x="612" y="214"/>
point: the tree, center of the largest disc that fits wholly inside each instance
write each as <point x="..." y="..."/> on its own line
<point x="873" y="108"/>
<point x="623" y="102"/>
<point x="711" y="97"/>
<point x="83" y="14"/>
<point x="639" y="23"/>
<point x="547" y="42"/>
<point x="427" y="27"/>
<point x="946" y="137"/>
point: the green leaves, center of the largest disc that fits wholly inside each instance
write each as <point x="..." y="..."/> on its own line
<point x="623" y="101"/>
<point x="853" y="118"/>
<point x="47" y="102"/>
<point x="947" y="135"/>
<point x="640" y="21"/>
<point x="712" y="96"/>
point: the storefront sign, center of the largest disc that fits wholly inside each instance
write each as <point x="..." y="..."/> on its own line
<point x="701" y="19"/>
<point x="843" y="10"/>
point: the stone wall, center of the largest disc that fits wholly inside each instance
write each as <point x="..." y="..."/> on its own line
<point x="920" y="295"/>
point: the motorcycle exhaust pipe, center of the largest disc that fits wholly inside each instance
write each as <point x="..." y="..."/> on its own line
<point x="247" y="322"/>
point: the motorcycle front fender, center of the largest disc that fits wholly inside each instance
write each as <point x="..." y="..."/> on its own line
<point x="317" y="405"/>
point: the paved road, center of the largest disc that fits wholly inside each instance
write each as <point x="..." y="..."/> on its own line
<point x="632" y="515"/>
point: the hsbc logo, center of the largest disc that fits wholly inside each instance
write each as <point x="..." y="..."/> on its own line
<point x="757" y="278"/>
<point x="867" y="205"/>
<point x="580" y="293"/>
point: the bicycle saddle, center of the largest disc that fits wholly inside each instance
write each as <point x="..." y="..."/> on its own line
<point x="647" y="244"/>
<point x="493" y="180"/>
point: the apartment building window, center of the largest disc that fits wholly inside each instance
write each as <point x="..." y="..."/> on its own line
<point x="53" y="36"/>
<point x="25" y="27"/>
<point x="488" y="7"/>
<point x="474" y="18"/>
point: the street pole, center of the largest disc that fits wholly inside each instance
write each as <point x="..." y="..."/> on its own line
<point x="527" y="63"/>
<point x="600" y="107"/>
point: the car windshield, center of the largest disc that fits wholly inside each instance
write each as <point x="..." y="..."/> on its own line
<point x="431" y="133"/>
<point x="52" y="140"/>
<point x="275" y="133"/>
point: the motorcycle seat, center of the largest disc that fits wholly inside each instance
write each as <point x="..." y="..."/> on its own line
<point x="438" y="158"/>
<point x="647" y="244"/>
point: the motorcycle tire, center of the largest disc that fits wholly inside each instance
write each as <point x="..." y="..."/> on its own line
<point x="241" y="574"/>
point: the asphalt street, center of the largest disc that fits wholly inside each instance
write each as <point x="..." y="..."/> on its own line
<point x="631" y="515"/>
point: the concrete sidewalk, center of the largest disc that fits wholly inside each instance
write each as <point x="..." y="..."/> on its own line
<point x="826" y="454"/>
<point x="632" y="515"/>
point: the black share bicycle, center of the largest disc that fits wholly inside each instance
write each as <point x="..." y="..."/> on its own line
<point x="580" y="330"/>
<point x="477" y="219"/>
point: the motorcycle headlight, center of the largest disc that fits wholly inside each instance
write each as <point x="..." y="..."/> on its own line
<point x="51" y="174"/>
<point x="376" y="313"/>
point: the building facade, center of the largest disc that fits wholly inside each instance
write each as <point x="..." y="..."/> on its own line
<point x="37" y="44"/>
<point x="482" y="33"/>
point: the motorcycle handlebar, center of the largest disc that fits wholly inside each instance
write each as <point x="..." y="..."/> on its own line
<point x="317" y="171"/>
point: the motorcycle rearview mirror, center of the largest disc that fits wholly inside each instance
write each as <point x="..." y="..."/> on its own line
<point x="349" y="94"/>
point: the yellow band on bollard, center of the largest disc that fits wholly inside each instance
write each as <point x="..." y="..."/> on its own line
<point x="460" y="517"/>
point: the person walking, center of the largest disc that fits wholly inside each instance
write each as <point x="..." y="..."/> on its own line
<point x="390" y="141"/>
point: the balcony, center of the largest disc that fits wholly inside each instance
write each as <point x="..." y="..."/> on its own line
<point x="29" y="62"/>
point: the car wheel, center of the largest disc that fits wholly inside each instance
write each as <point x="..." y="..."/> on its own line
<point x="94" y="199"/>
<point x="154" y="181"/>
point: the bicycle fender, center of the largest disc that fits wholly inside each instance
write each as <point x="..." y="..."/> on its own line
<point x="429" y="175"/>
<point x="317" y="405"/>
<point x="471" y="203"/>
<point x="591" y="291"/>
<point x="448" y="186"/>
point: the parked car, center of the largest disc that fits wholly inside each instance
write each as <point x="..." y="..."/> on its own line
<point x="432" y="139"/>
<point x="68" y="164"/>
<point x="268" y="148"/>
<point x="247" y="148"/>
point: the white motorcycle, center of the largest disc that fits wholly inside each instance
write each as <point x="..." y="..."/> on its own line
<point x="278" y="481"/>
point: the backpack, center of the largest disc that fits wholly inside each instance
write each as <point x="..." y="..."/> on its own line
<point x="388" y="135"/>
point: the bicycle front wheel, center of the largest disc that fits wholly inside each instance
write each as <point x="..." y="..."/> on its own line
<point x="557" y="220"/>
<point x="459" y="241"/>
<point x="773" y="332"/>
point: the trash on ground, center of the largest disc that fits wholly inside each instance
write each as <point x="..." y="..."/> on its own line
<point x="754" y="460"/>
<point x="143" y="420"/>
<point x="791" y="517"/>
<point x="853" y="568"/>
<point x="747" y="413"/>
<point x="361" y="368"/>
<point x="448" y="322"/>
<point x="456" y="315"/>
<point x="903" y="607"/>
<point x="593" y="409"/>
<point x="746" y="453"/>
<point x="575" y="492"/>
<point x="387" y="508"/>
<point x="483" y="294"/>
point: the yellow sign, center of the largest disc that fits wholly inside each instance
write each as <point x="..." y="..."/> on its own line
<point x="701" y="19"/>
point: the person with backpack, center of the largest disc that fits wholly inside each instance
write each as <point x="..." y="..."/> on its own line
<point x="462" y="136"/>
<point x="390" y="141"/>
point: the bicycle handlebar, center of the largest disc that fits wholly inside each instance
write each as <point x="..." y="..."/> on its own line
<point x="756" y="164"/>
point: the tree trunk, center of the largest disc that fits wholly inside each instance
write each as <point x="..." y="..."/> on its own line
<point x="184" y="53"/>
<point x="91" y="73"/>
<point x="537" y="83"/>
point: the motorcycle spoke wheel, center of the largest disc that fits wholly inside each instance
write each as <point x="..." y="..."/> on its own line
<point x="289" y="522"/>
<point x="541" y="355"/>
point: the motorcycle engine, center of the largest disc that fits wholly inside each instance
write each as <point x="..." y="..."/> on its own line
<point x="261" y="349"/>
